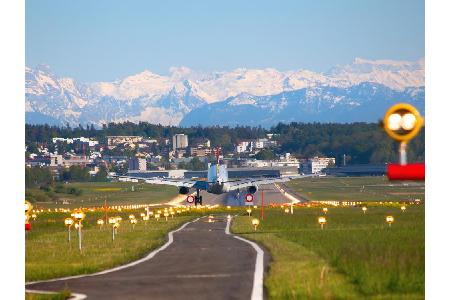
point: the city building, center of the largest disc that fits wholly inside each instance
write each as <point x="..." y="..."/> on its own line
<point x="316" y="164"/>
<point x="200" y="152"/>
<point x="179" y="141"/>
<point x="137" y="164"/>
<point x="56" y="160"/>
<point x="113" y="141"/>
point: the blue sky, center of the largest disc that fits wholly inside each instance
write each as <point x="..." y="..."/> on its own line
<point x="107" y="40"/>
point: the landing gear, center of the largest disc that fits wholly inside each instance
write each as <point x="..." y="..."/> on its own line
<point x="198" y="198"/>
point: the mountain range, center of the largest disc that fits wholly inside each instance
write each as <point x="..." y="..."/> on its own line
<point x="359" y="91"/>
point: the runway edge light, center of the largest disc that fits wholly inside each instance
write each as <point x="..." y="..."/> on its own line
<point x="402" y="122"/>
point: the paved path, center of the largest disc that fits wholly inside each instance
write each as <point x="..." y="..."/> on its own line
<point x="203" y="262"/>
<point x="271" y="195"/>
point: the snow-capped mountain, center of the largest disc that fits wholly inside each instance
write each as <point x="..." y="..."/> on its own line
<point x="364" y="102"/>
<point x="184" y="93"/>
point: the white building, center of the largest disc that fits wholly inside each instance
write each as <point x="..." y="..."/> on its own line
<point x="244" y="146"/>
<point x="179" y="141"/>
<point x="137" y="164"/>
<point x="316" y="164"/>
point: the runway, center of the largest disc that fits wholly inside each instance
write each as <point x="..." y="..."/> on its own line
<point x="271" y="195"/>
<point x="202" y="262"/>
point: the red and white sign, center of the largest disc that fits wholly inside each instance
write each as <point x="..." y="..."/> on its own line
<point x="190" y="199"/>
<point x="249" y="198"/>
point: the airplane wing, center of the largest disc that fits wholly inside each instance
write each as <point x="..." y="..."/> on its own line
<point x="167" y="181"/>
<point x="241" y="183"/>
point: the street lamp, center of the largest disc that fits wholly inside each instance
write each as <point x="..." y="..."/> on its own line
<point x="249" y="211"/>
<point x="79" y="215"/>
<point x="255" y="223"/>
<point x="68" y="222"/>
<point x="322" y="221"/>
<point x="364" y="209"/>
<point x="390" y="220"/>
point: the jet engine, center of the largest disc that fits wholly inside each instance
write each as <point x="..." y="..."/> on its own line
<point x="252" y="189"/>
<point x="183" y="190"/>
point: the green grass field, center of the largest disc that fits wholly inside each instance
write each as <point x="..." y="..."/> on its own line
<point x="355" y="256"/>
<point x="374" y="188"/>
<point x="116" y="193"/>
<point x="50" y="255"/>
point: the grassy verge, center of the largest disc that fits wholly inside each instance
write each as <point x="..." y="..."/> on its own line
<point x="376" y="188"/>
<point x="355" y="256"/>
<point x="50" y="255"/>
<point x="95" y="194"/>
<point x="56" y="296"/>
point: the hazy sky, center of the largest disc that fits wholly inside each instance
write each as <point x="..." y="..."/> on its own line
<point x="106" y="40"/>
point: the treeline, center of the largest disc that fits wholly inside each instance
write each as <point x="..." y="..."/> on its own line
<point x="225" y="137"/>
<point x="42" y="177"/>
<point x="360" y="142"/>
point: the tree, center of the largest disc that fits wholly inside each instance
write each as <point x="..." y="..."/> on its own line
<point x="102" y="174"/>
<point x="265" y="154"/>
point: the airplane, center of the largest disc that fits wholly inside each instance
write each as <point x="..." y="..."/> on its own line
<point x="216" y="183"/>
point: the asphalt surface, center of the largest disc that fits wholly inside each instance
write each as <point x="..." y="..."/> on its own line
<point x="271" y="195"/>
<point x="203" y="262"/>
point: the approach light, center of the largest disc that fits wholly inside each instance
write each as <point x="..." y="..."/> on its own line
<point x="390" y="220"/>
<point x="133" y="222"/>
<point x="68" y="222"/>
<point x="28" y="207"/>
<point x="131" y="217"/>
<point x="157" y="216"/>
<point x="364" y="209"/>
<point x="322" y="221"/>
<point x="403" y="208"/>
<point x="100" y="222"/>
<point x="325" y="210"/>
<point x="112" y="220"/>
<point x="79" y="215"/>
<point x="394" y="121"/>
<point x="34" y="216"/>
<point x="249" y="211"/>
<point x="402" y="122"/>
<point x="228" y="207"/>
<point x="118" y="219"/>
<point x="255" y="223"/>
<point x="286" y="210"/>
<point x="166" y="214"/>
